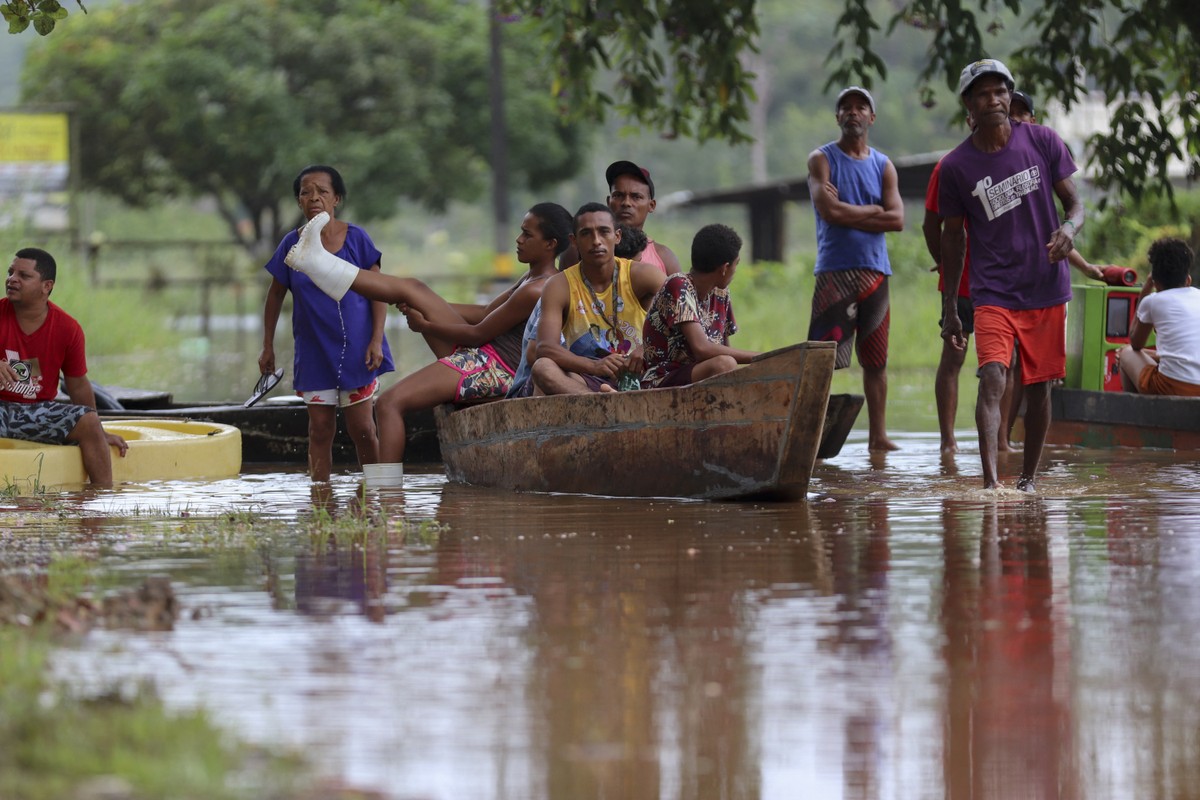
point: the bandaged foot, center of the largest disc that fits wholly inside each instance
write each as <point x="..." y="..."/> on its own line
<point x="331" y="274"/>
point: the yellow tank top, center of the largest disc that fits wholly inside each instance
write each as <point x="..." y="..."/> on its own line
<point x="589" y="325"/>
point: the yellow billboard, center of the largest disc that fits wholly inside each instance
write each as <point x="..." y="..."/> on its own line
<point x="35" y="169"/>
<point x="36" y="138"/>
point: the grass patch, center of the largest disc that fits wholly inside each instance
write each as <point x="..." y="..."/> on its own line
<point x="773" y="304"/>
<point x="58" y="742"/>
<point x="53" y="743"/>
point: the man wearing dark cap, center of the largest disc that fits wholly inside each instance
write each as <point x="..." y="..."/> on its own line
<point x="1003" y="181"/>
<point x="1021" y="108"/>
<point x="631" y="198"/>
<point x="856" y="198"/>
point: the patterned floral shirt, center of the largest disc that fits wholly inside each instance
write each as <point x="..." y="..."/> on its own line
<point x="664" y="348"/>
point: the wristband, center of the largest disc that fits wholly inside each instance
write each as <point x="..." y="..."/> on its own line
<point x="1072" y="224"/>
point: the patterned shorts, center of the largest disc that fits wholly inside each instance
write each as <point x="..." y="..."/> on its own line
<point x="483" y="375"/>
<point x="48" y="422"/>
<point x="340" y="397"/>
<point x="848" y="305"/>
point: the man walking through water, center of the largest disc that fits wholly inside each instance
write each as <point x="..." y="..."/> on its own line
<point x="856" y="197"/>
<point x="1003" y="180"/>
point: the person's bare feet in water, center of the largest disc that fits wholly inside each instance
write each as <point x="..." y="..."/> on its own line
<point x="882" y="445"/>
<point x="1025" y="483"/>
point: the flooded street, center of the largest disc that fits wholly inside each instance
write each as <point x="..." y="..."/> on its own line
<point x="904" y="634"/>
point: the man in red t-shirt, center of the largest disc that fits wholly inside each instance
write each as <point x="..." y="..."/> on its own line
<point x="40" y="342"/>
<point x="945" y="384"/>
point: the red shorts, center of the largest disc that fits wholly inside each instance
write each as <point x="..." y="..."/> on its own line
<point x="1039" y="334"/>
<point x="1151" y="381"/>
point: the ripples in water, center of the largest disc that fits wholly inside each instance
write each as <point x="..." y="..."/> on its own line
<point x="904" y="634"/>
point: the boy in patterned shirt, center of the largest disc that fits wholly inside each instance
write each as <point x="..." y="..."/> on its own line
<point x="686" y="334"/>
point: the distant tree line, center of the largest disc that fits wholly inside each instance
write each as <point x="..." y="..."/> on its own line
<point x="228" y="98"/>
<point x="231" y="98"/>
<point x="679" y="64"/>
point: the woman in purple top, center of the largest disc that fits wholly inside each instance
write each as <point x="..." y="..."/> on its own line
<point x="340" y="350"/>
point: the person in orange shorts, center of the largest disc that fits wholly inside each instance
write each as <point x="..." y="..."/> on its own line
<point x="1170" y="307"/>
<point x="1006" y="181"/>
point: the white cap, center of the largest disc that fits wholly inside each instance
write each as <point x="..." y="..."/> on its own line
<point x="984" y="66"/>
<point x="854" y="90"/>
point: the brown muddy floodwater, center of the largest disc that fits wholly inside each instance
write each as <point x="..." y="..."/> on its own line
<point x="902" y="635"/>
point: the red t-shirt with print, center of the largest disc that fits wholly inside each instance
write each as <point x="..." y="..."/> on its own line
<point x="40" y="357"/>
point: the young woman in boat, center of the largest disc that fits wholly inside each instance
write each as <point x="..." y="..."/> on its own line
<point x="340" y="349"/>
<point x="1169" y="306"/>
<point x="478" y="347"/>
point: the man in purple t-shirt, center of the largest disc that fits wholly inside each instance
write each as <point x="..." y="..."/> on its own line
<point x="1003" y="180"/>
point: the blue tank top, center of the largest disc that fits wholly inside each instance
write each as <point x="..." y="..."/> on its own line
<point x="860" y="183"/>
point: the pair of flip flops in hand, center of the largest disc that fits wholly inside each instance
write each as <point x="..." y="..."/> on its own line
<point x="267" y="382"/>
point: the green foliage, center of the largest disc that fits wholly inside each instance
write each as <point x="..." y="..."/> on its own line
<point x="677" y="64"/>
<point x="189" y="98"/>
<point x="1124" y="231"/>
<point x="1142" y="56"/>
<point x="773" y="303"/>
<point x="68" y="576"/>
<point x="106" y="332"/>
<point x="700" y="79"/>
<point x="52" y="743"/>
<point x="41" y="14"/>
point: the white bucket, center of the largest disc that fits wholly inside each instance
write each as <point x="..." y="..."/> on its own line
<point x="383" y="475"/>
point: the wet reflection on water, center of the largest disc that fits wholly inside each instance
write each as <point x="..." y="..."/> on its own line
<point x="902" y="635"/>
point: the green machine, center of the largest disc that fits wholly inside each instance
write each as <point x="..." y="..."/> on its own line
<point x="1099" y="319"/>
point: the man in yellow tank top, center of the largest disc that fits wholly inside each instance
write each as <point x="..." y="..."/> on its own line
<point x="598" y="306"/>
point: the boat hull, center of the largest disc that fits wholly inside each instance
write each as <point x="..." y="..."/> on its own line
<point x="1091" y="409"/>
<point x="753" y="432"/>
<point x="277" y="432"/>
<point x="1095" y="419"/>
<point x="158" y="450"/>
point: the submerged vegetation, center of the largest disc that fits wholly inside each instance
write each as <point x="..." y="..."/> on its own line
<point x="121" y="741"/>
<point x="56" y="744"/>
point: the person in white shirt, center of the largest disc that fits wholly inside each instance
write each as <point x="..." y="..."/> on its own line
<point x="1170" y="307"/>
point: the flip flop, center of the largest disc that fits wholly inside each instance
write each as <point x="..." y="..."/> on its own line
<point x="265" y="384"/>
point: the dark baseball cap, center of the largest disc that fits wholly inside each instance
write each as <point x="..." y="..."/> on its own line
<point x="618" y="168"/>
<point x="1026" y="99"/>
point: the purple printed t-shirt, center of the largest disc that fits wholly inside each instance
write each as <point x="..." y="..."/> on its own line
<point x="326" y="357"/>
<point x="1008" y="201"/>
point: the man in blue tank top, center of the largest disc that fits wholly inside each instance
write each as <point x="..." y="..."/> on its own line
<point x="856" y="198"/>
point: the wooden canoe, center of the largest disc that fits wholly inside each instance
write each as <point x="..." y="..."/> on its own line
<point x="158" y="450"/>
<point x="754" y="432"/>
<point x="273" y="431"/>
